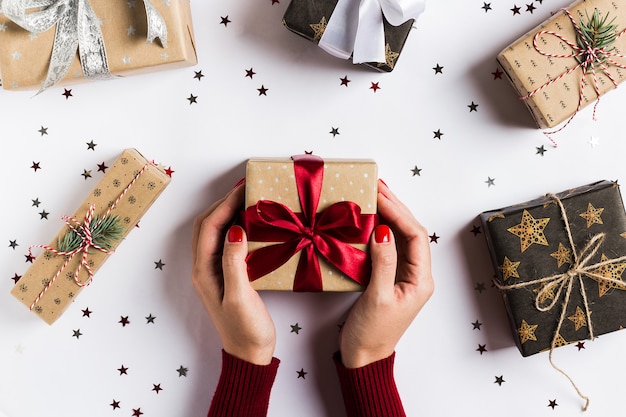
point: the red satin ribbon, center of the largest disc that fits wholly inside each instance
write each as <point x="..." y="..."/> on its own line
<point x="328" y="233"/>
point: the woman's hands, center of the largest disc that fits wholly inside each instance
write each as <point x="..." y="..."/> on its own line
<point x="400" y="285"/>
<point x="221" y="280"/>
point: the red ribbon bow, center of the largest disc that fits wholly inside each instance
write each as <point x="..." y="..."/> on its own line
<point x="328" y="233"/>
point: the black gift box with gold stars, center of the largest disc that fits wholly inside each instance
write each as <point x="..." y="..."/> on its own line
<point x="559" y="262"/>
<point x="308" y="18"/>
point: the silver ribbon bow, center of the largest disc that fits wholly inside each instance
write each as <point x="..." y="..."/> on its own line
<point x="77" y="28"/>
<point x="356" y="27"/>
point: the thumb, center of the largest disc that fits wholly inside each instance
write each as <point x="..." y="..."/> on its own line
<point x="384" y="259"/>
<point x="234" y="261"/>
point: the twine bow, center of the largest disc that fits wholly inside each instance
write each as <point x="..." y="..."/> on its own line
<point x="77" y="29"/>
<point x="588" y="56"/>
<point x="84" y="231"/>
<point x="356" y="27"/>
<point x="581" y="267"/>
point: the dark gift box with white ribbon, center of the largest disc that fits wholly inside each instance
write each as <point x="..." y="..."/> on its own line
<point x="370" y="32"/>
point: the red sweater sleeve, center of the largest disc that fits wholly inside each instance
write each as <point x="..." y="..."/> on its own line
<point x="243" y="389"/>
<point x="370" y="391"/>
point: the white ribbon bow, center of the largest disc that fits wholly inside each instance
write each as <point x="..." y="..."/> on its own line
<point x="77" y="28"/>
<point x="356" y="27"/>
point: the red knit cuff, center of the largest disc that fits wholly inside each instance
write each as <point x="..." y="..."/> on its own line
<point x="243" y="388"/>
<point x="370" y="391"/>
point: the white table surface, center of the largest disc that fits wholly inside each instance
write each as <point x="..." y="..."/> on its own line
<point x="47" y="371"/>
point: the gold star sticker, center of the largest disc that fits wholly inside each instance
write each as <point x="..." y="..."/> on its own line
<point x="562" y="255"/>
<point x="592" y="215"/>
<point x="579" y="318"/>
<point x="509" y="269"/>
<point x="527" y="332"/>
<point x="390" y="57"/>
<point x="530" y="230"/>
<point x="318" y="28"/>
<point x="613" y="271"/>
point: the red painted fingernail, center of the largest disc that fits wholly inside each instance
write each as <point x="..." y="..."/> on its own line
<point x="235" y="234"/>
<point x="241" y="181"/>
<point x="382" y="234"/>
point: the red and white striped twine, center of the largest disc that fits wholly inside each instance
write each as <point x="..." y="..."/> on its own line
<point x="84" y="231"/>
<point x="588" y="57"/>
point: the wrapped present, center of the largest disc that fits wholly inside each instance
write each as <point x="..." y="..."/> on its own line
<point x="92" y="39"/>
<point x="101" y="222"/>
<point x="559" y="262"/>
<point x="308" y="222"/>
<point x="560" y="66"/>
<point x="371" y="32"/>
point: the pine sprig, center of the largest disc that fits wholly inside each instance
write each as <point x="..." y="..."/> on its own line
<point x="104" y="232"/>
<point x="597" y="32"/>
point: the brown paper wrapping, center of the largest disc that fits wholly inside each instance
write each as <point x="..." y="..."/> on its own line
<point x="24" y="59"/>
<point x="344" y="180"/>
<point x="527" y="69"/>
<point x="130" y="209"/>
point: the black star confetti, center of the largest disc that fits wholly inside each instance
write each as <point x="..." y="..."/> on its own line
<point x="115" y="404"/>
<point x="198" y="75"/>
<point x="302" y="373"/>
<point x="434" y="238"/>
<point x="580" y="345"/>
<point x="150" y="319"/>
<point x="182" y="371"/>
<point x="530" y="8"/>
<point x="43" y="215"/>
<point x="541" y="150"/>
<point x="438" y="134"/>
<point x="16" y="278"/>
<point x="102" y="167"/>
<point x="334" y="131"/>
<point x="344" y="81"/>
<point x="262" y="91"/>
<point x="490" y="182"/>
<point x="36" y="202"/>
<point x="475" y="230"/>
<point x="438" y="69"/>
<point x="481" y="349"/>
<point x="35" y="166"/>
<point x="375" y="87"/>
<point x="497" y="74"/>
<point x="515" y="10"/>
<point x="159" y="265"/>
<point x="124" y="321"/>
<point x="552" y="404"/>
<point x="29" y="258"/>
<point x="250" y="73"/>
<point x="416" y="171"/>
<point x="137" y="412"/>
<point x="86" y="173"/>
<point x="473" y="107"/>
<point x="123" y="370"/>
<point x="156" y="388"/>
<point x="43" y="131"/>
<point x="13" y="244"/>
<point x="87" y="312"/>
<point x="91" y="145"/>
<point x="499" y="380"/>
<point x="192" y="99"/>
<point x="486" y="7"/>
<point x="480" y="287"/>
<point x="77" y="334"/>
<point x="225" y="21"/>
<point x="67" y="93"/>
<point x="476" y="325"/>
<point x="295" y="328"/>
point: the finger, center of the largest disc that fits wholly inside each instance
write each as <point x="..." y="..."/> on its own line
<point x="210" y="230"/>
<point x="234" y="262"/>
<point x="384" y="260"/>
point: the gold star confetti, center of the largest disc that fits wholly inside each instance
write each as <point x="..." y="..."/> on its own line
<point x="613" y="271"/>
<point x="530" y="230"/>
<point x="509" y="269"/>
<point x="579" y="318"/>
<point x="527" y="332"/>
<point x="319" y="28"/>
<point x="562" y="255"/>
<point x="592" y="215"/>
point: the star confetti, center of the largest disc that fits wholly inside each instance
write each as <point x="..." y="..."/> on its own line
<point x="182" y="371"/>
<point x="530" y="8"/>
<point x="124" y="321"/>
<point x="13" y="244"/>
<point x="16" y="278"/>
<point x="374" y="87"/>
<point x="434" y="238"/>
<point x="250" y="73"/>
<point x="473" y="107"/>
<point x="541" y="150"/>
<point x="475" y="230"/>
<point x="43" y="215"/>
<point x="43" y="131"/>
<point x="262" y="91"/>
<point x="476" y="325"/>
<point x="91" y="145"/>
<point x="225" y="21"/>
<point x="35" y="166"/>
<point x="497" y="74"/>
<point x="87" y="312"/>
<point x="302" y="373"/>
<point x="192" y="99"/>
<point x="67" y="93"/>
<point x="137" y="412"/>
<point x="29" y="258"/>
<point x="515" y="10"/>
<point x="295" y="328"/>
<point x="486" y="7"/>
<point x="344" y="81"/>
<point x="150" y="319"/>
<point x="36" y="202"/>
<point x="123" y="370"/>
<point x="552" y="404"/>
<point x="159" y="265"/>
<point x="198" y="75"/>
<point x="416" y="171"/>
<point x="481" y="349"/>
<point x="580" y="345"/>
<point x="438" y="69"/>
<point x="334" y="131"/>
<point x="77" y="334"/>
<point x="86" y="173"/>
<point x="438" y="134"/>
<point x="169" y="171"/>
<point x="115" y="404"/>
<point x="490" y="182"/>
<point x="157" y="388"/>
<point x="499" y="380"/>
<point x="480" y="287"/>
<point x="102" y="167"/>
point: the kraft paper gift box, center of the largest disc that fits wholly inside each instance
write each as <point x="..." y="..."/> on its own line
<point x="545" y="65"/>
<point x="119" y="200"/>
<point x="308" y="222"/>
<point x="25" y="57"/>
<point x="309" y="19"/>
<point x="541" y="247"/>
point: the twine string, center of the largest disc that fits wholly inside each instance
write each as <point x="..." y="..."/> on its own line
<point x="588" y="57"/>
<point x="579" y="268"/>
<point x="83" y="230"/>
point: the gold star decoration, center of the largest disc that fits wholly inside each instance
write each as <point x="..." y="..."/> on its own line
<point x="562" y="255"/>
<point x="527" y="332"/>
<point x="509" y="269"/>
<point x="592" y="215"/>
<point x="613" y="271"/>
<point x="579" y="318"/>
<point x="530" y="230"/>
<point x="319" y="28"/>
<point x="560" y="341"/>
<point x="623" y="235"/>
<point x="390" y="57"/>
<point x="547" y="294"/>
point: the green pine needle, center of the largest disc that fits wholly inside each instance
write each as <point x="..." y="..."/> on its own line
<point x="597" y="32"/>
<point x="104" y="234"/>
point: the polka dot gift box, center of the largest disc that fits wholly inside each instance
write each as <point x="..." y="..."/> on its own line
<point x="308" y="222"/>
